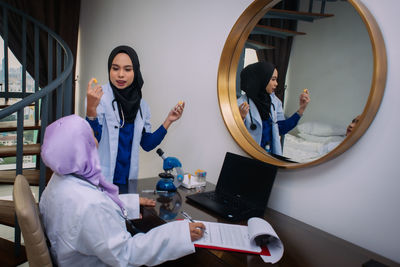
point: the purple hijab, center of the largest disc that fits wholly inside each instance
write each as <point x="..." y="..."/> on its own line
<point x="69" y="148"/>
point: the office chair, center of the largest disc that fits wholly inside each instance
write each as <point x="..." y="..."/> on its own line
<point x="29" y="221"/>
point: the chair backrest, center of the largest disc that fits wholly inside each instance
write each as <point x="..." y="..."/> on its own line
<point x="29" y="221"/>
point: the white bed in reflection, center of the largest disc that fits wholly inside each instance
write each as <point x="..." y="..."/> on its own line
<point x="312" y="140"/>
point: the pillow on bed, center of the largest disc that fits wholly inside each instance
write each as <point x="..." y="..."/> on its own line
<point x="321" y="139"/>
<point x="321" y="129"/>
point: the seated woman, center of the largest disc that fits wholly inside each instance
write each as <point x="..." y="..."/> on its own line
<point x="332" y="145"/>
<point x="85" y="218"/>
<point x="352" y="124"/>
<point x="261" y="110"/>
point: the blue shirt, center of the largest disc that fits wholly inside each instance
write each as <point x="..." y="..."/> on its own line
<point x="284" y="127"/>
<point x="148" y="142"/>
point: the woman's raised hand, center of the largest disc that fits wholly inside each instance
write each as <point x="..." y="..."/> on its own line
<point x="304" y="99"/>
<point x="93" y="96"/>
<point x="174" y="114"/>
<point x="244" y="109"/>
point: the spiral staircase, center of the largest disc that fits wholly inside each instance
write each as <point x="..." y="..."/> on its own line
<point x="281" y="15"/>
<point x="276" y="27"/>
<point x="46" y="103"/>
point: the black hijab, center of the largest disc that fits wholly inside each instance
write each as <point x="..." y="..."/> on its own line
<point x="128" y="98"/>
<point x="254" y="78"/>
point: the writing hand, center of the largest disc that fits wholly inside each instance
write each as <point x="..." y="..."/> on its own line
<point x="196" y="230"/>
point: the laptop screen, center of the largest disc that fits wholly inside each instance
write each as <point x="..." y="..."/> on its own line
<point x="246" y="178"/>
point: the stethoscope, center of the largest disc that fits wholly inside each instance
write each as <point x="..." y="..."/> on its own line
<point x="253" y="126"/>
<point x="120" y="125"/>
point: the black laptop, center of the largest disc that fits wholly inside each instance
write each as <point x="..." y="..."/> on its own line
<point x="242" y="190"/>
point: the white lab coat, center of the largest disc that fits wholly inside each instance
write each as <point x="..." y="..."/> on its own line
<point x="86" y="228"/>
<point x="108" y="117"/>
<point x="276" y="115"/>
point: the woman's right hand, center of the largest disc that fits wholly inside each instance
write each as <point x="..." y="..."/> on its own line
<point x="244" y="109"/>
<point x="93" y="96"/>
<point x="196" y="230"/>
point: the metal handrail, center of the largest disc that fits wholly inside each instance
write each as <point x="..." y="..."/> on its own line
<point x="62" y="82"/>
<point x="55" y="83"/>
<point x="36" y="96"/>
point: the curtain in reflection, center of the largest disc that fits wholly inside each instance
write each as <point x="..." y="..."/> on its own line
<point x="280" y="55"/>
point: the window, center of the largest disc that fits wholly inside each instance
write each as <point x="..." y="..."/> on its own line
<point x="15" y="85"/>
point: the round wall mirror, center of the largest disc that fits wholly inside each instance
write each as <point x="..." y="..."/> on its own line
<point x="334" y="49"/>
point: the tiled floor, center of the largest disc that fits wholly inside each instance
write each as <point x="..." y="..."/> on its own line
<point x="7" y="232"/>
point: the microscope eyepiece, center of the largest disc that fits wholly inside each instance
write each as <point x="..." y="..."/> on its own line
<point x="160" y="152"/>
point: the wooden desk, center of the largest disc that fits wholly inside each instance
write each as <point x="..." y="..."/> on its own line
<point x="304" y="245"/>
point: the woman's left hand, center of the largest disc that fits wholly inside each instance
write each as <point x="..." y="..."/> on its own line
<point x="147" y="202"/>
<point x="174" y="114"/>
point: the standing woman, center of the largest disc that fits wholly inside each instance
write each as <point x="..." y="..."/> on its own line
<point x="261" y="110"/>
<point x="120" y="118"/>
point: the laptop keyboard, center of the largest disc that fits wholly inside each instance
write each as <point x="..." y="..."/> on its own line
<point x="229" y="207"/>
<point x="228" y="201"/>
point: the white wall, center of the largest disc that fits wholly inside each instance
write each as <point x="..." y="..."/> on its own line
<point x="338" y="51"/>
<point x="179" y="43"/>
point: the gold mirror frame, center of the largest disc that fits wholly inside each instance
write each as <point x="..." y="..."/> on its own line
<point x="227" y="83"/>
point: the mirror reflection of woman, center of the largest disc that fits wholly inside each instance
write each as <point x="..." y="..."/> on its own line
<point x="261" y="110"/>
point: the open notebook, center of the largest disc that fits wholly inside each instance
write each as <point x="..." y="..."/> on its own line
<point x="257" y="238"/>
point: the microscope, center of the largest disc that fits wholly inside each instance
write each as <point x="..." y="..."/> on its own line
<point x="166" y="182"/>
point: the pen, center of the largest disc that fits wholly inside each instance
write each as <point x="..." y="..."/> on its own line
<point x="154" y="191"/>
<point x="187" y="216"/>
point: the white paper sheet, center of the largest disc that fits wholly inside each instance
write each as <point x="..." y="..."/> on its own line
<point x="241" y="238"/>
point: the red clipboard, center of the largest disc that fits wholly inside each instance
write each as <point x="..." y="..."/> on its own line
<point x="264" y="250"/>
